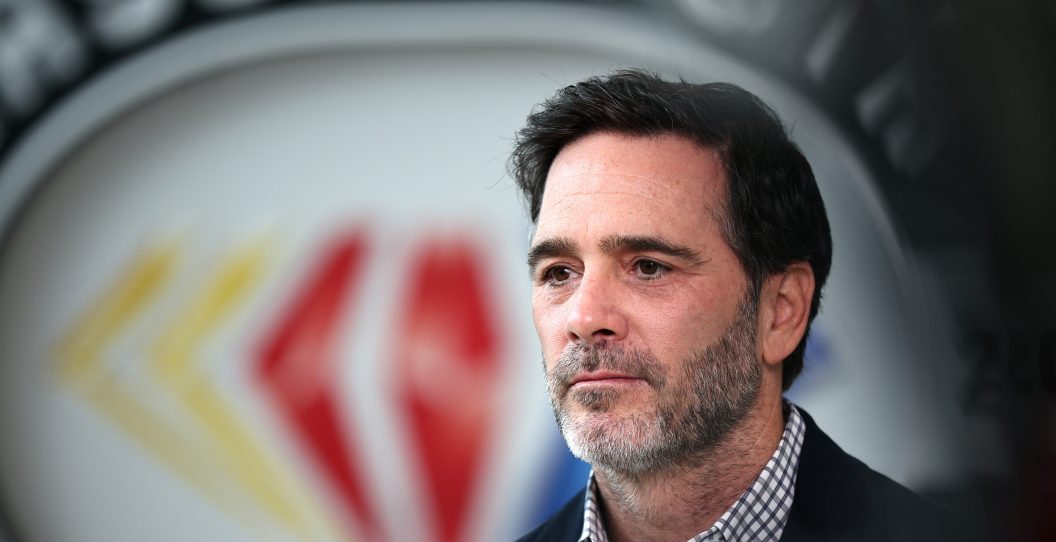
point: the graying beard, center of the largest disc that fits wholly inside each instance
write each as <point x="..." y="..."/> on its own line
<point x="724" y="380"/>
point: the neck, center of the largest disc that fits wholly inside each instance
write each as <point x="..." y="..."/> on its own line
<point x="679" y="502"/>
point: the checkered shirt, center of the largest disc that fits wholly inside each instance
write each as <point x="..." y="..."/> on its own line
<point x="761" y="512"/>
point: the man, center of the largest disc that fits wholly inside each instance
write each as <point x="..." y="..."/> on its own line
<point x="680" y="250"/>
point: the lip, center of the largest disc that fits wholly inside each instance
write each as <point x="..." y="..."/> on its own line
<point x="604" y="377"/>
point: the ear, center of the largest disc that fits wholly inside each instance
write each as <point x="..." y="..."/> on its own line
<point x="784" y="310"/>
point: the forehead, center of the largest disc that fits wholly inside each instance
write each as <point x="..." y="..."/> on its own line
<point x="614" y="183"/>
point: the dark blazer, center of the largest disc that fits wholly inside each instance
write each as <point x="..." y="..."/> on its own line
<point x="837" y="498"/>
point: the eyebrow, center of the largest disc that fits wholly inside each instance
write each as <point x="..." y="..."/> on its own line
<point x="648" y="243"/>
<point x="553" y="247"/>
<point x="557" y="247"/>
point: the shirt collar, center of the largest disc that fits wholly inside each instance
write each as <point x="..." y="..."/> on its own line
<point x="759" y="514"/>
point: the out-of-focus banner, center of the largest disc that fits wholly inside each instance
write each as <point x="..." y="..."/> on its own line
<point x="262" y="272"/>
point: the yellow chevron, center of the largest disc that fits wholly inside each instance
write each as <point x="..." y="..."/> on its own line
<point x="82" y="365"/>
<point x="79" y="351"/>
<point x="175" y="366"/>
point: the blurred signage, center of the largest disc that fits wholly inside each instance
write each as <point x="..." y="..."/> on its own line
<point x="449" y="351"/>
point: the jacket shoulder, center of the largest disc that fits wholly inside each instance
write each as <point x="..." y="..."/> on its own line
<point x="838" y="497"/>
<point x="565" y="525"/>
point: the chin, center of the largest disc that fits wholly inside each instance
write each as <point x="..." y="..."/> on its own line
<point x="630" y="444"/>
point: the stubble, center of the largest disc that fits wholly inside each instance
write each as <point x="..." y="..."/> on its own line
<point x="692" y="410"/>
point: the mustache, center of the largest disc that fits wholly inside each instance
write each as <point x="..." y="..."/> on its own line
<point x="579" y="358"/>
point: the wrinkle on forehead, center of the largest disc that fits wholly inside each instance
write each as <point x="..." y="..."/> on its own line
<point x="593" y="194"/>
<point x="656" y="206"/>
<point x="608" y="182"/>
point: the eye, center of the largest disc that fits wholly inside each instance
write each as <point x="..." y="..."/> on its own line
<point x="557" y="275"/>
<point x="649" y="269"/>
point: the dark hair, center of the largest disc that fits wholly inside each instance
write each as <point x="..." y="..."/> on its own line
<point x="774" y="215"/>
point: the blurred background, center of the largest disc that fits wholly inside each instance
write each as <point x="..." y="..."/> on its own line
<point x="262" y="270"/>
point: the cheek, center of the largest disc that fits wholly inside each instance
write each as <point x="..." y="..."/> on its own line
<point x="549" y="326"/>
<point x="670" y="332"/>
<point x="684" y="323"/>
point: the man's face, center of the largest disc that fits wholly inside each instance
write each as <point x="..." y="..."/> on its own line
<point x="647" y="329"/>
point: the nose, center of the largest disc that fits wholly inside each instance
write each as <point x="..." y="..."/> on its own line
<point x="595" y="314"/>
